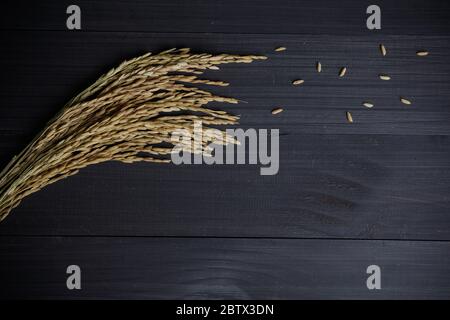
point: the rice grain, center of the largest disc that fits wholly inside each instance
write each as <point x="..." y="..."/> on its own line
<point x="405" y="101"/>
<point x="422" y="53"/>
<point x="349" y="117"/>
<point x="383" y="50"/>
<point x="277" y="110"/>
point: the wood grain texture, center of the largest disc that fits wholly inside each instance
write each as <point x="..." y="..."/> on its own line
<point x="386" y="176"/>
<point x="233" y="16"/>
<point x="146" y="268"/>
<point x="318" y="106"/>
<point x="385" y="187"/>
<point x="165" y="231"/>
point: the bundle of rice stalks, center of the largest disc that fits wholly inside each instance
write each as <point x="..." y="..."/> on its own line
<point x="127" y="115"/>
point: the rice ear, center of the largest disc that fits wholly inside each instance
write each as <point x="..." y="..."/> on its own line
<point x="126" y="115"/>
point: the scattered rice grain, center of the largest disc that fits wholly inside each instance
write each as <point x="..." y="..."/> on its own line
<point x="422" y="53"/>
<point x="349" y="117"/>
<point x="405" y="101"/>
<point x="383" y="50"/>
<point x="277" y="110"/>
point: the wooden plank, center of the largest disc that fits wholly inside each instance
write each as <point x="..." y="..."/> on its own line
<point x="367" y="187"/>
<point x="42" y="70"/>
<point x="234" y="16"/>
<point x="155" y="268"/>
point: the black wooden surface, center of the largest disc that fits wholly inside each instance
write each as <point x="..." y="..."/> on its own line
<point x="347" y="196"/>
<point x="155" y="268"/>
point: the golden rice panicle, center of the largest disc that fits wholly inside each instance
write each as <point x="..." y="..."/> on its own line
<point x="127" y="115"/>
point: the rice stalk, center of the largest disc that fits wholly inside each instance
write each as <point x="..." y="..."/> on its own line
<point x="127" y="115"/>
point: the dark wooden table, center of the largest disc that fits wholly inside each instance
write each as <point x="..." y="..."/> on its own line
<point x="375" y="192"/>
